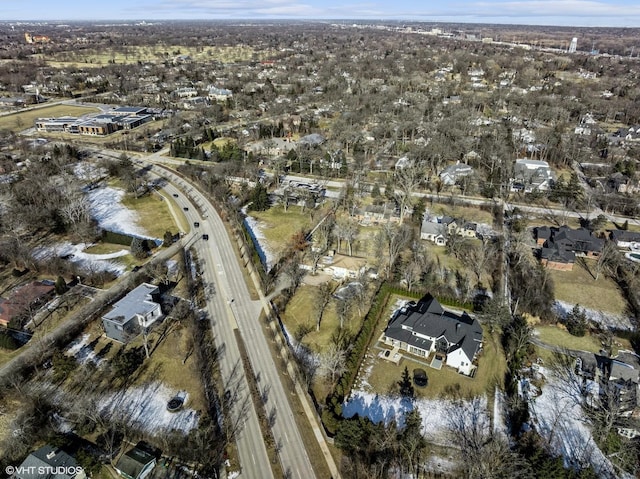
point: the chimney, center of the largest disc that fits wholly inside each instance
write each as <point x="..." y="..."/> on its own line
<point x="51" y="455"/>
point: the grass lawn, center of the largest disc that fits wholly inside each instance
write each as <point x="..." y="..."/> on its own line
<point x="579" y="287"/>
<point x="300" y="313"/>
<point x="381" y="376"/>
<point x="164" y="365"/>
<point x="5" y="356"/>
<point x="105" y="248"/>
<point x="26" y="119"/>
<point x="279" y="226"/>
<point x="384" y="375"/>
<point x="468" y="213"/>
<point x="559" y="337"/>
<point x="553" y="335"/>
<point x="153" y="213"/>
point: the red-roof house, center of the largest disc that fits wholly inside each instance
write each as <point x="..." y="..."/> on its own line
<point x="23" y="298"/>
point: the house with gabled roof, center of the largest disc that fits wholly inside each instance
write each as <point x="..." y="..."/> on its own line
<point x="136" y="463"/>
<point x="425" y="327"/>
<point x="49" y="462"/>
<point x="560" y="246"/>
<point x="23" y="300"/>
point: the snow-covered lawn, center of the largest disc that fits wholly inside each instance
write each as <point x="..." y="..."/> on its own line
<point x="559" y="418"/>
<point x="605" y="319"/>
<point x="81" y="350"/>
<point x="86" y="261"/>
<point x="106" y="207"/>
<point x="434" y="413"/>
<point x="146" y="407"/>
<point x="256" y="229"/>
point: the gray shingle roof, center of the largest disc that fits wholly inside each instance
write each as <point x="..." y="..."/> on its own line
<point x="48" y="458"/>
<point x="132" y="462"/>
<point x="427" y="317"/>
<point x="138" y="301"/>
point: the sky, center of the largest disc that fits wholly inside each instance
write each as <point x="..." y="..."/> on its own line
<point x="588" y="13"/>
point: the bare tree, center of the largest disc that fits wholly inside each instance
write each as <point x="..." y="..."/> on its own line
<point x="406" y="180"/>
<point x="333" y="363"/>
<point x="321" y="301"/>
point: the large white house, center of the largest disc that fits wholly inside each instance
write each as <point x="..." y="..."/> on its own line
<point x="425" y="327"/>
<point x="531" y="175"/>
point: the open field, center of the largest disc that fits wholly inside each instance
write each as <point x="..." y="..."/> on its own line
<point x="278" y="226"/>
<point x="579" y="287"/>
<point x="153" y="213"/>
<point x="26" y="119"/>
<point x="154" y="54"/>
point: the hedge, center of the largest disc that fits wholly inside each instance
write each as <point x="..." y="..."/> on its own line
<point x="333" y="412"/>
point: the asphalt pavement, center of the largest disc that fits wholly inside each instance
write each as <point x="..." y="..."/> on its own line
<point x="232" y="307"/>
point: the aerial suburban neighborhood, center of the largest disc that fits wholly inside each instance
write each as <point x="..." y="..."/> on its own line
<point x="319" y="249"/>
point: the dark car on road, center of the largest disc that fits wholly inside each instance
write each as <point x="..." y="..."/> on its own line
<point x="205" y="237"/>
<point x="196" y="224"/>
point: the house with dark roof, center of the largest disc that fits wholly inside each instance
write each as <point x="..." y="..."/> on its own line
<point x="133" y="314"/>
<point x="426" y="327"/>
<point x="49" y="462"/>
<point x="24" y="300"/>
<point x="560" y="246"/>
<point x="625" y="238"/>
<point x="136" y="463"/>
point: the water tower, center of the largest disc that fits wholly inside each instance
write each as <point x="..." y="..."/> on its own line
<point x="573" y="45"/>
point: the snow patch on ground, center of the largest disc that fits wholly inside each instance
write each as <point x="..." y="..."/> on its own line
<point x="561" y="308"/>
<point x="256" y="229"/>
<point x="86" y="261"/>
<point x="434" y="413"/>
<point x="106" y="207"/>
<point x="146" y="407"/>
<point x="82" y="351"/>
<point x="560" y="419"/>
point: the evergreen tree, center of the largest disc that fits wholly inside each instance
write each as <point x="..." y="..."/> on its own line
<point x="61" y="286"/>
<point x="406" y="385"/>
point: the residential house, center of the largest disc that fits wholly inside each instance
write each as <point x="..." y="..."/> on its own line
<point x="49" y="462"/>
<point x="453" y="173"/>
<point x="24" y="300"/>
<point x="625" y="239"/>
<point x="531" y="175"/>
<point x="377" y="214"/>
<point x="622" y="375"/>
<point x="434" y="232"/>
<point x="439" y="230"/>
<point x="425" y="327"/>
<point x="136" y="463"/>
<point x="345" y="267"/>
<point x="218" y="94"/>
<point x="133" y="314"/>
<point x="560" y="246"/>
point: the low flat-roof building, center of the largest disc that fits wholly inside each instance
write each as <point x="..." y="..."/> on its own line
<point x="133" y="314"/>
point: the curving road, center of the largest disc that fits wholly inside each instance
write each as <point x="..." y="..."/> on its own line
<point x="230" y="308"/>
